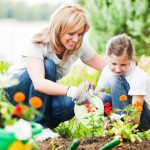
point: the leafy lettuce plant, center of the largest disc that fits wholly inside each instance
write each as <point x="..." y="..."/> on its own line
<point x="125" y="124"/>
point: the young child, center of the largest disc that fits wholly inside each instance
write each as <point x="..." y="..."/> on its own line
<point x="123" y="77"/>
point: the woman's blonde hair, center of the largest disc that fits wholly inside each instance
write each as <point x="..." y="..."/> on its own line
<point x="120" y="44"/>
<point x="67" y="18"/>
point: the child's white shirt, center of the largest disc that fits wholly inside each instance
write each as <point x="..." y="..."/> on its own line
<point x="138" y="80"/>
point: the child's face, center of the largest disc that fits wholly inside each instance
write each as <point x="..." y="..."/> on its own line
<point x="119" y="64"/>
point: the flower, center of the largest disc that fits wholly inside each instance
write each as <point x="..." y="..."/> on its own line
<point x="107" y="109"/>
<point x="139" y="108"/>
<point x="123" y="98"/>
<point x="107" y="105"/>
<point x="36" y="102"/>
<point x="19" y="97"/>
<point x="89" y="108"/>
<point x="23" y="111"/>
<point x="138" y="105"/>
<point x="87" y="105"/>
<point x="18" y="145"/>
<point x="139" y="102"/>
<point x="115" y="117"/>
<point x="18" y="111"/>
<point x="21" y="128"/>
<point x="107" y="125"/>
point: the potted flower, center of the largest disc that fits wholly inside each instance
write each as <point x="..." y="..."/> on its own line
<point x="17" y="128"/>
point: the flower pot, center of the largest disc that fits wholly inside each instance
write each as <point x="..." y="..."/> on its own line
<point x="7" y="138"/>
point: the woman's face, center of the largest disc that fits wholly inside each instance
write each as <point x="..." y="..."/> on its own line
<point x="70" y="39"/>
<point x="119" y="64"/>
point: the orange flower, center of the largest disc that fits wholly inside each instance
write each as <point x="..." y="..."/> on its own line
<point x="139" y="108"/>
<point x="139" y="103"/>
<point x="19" y="97"/>
<point x="134" y="105"/>
<point x="36" y="102"/>
<point x="123" y="98"/>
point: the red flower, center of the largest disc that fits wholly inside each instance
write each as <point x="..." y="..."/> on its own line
<point x="107" y="105"/>
<point x="89" y="108"/>
<point x="18" y="111"/>
<point x="87" y="105"/>
<point x="107" y="109"/>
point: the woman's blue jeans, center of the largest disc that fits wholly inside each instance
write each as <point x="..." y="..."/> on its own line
<point x="119" y="86"/>
<point x="55" y="109"/>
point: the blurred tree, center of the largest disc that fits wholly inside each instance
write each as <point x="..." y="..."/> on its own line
<point x="112" y="17"/>
<point x="21" y="11"/>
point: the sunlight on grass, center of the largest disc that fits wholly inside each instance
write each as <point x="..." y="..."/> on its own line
<point x="80" y="73"/>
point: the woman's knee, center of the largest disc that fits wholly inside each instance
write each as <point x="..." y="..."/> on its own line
<point x="63" y="108"/>
<point x="22" y="86"/>
<point x="50" y="69"/>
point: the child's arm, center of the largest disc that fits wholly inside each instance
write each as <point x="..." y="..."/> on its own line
<point x="103" y="81"/>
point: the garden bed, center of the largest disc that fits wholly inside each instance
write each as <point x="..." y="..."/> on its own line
<point x="91" y="144"/>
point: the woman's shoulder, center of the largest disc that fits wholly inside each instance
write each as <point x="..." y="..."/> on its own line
<point x="31" y="45"/>
<point x="32" y="49"/>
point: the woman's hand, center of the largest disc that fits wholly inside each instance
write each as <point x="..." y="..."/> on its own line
<point x="81" y="95"/>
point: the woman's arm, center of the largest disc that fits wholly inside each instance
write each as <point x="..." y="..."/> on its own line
<point x="97" y="62"/>
<point x="98" y="89"/>
<point x="35" y="67"/>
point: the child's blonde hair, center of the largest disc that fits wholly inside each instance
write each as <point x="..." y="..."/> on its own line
<point x="120" y="44"/>
<point x="67" y="18"/>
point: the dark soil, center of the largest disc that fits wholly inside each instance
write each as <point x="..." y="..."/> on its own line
<point x="91" y="144"/>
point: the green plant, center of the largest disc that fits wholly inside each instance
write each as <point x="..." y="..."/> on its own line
<point x="3" y="66"/>
<point x="126" y="124"/>
<point x="111" y="17"/>
<point x="79" y="73"/>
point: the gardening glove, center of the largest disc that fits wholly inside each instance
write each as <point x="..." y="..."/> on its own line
<point x="81" y="95"/>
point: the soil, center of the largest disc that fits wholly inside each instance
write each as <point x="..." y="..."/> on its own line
<point x="91" y="144"/>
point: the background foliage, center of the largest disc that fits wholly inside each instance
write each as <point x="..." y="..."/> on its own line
<point x="22" y="11"/>
<point x="112" y="17"/>
<point x="107" y="18"/>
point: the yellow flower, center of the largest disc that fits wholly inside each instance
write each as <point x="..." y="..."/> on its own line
<point x="18" y="145"/>
<point x="36" y="102"/>
<point x="19" y="97"/>
<point x="123" y="98"/>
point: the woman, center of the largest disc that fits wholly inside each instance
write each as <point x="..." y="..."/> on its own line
<point x="48" y="58"/>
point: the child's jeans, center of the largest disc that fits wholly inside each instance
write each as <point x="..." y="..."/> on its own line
<point x="119" y="86"/>
<point x="55" y="109"/>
